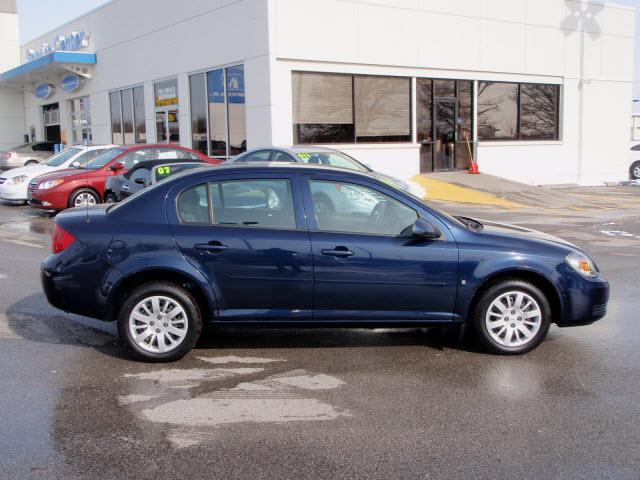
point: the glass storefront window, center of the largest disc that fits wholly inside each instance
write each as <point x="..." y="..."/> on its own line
<point x="81" y="121"/>
<point x="217" y="114"/>
<point x="423" y="109"/>
<point x="497" y="111"/>
<point x="166" y="102"/>
<point x="138" y="115"/>
<point x="539" y="111"/>
<point x="116" y="118"/>
<point x="236" y="110"/>
<point x="382" y="109"/>
<point x="198" y="104"/>
<point x="127" y="116"/>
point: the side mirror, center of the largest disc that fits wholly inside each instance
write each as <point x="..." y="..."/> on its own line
<point x="423" y="229"/>
<point x="141" y="181"/>
<point x="116" y="166"/>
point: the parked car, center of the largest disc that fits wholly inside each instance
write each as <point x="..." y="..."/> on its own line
<point x="26" y="154"/>
<point x="14" y="183"/>
<point x="323" y="156"/>
<point x="143" y="175"/>
<point x="244" y="245"/>
<point x="634" y="169"/>
<point x="85" y="185"/>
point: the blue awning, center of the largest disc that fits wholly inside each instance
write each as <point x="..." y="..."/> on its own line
<point x="54" y="62"/>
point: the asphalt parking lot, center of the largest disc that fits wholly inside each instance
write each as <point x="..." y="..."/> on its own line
<point x="331" y="403"/>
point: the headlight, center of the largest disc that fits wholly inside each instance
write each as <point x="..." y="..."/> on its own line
<point x="50" y="184"/>
<point x="581" y="264"/>
<point x="17" y="180"/>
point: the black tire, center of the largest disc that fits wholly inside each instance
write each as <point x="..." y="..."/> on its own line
<point x="178" y="295"/>
<point x="634" y="171"/>
<point x="83" y="191"/>
<point x="28" y="163"/>
<point x="323" y="204"/>
<point x="110" y="198"/>
<point x="494" y="292"/>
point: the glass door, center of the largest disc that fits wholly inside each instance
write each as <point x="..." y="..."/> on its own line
<point x="167" y="126"/>
<point x="444" y="122"/>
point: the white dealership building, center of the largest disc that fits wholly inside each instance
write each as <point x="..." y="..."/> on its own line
<point x="537" y="90"/>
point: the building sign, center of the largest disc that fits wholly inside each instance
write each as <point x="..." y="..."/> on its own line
<point x="71" y="83"/>
<point x="44" y="91"/>
<point x="166" y="93"/>
<point x="73" y="41"/>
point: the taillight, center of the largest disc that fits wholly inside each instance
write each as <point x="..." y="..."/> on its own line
<point x="60" y="239"/>
<point x="7" y="155"/>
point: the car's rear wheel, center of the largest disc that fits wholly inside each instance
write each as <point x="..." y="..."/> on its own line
<point x="29" y="163"/>
<point x="159" y="322"/>
<point x="634" y="171"/>
<point x="512" y="317"/>
<point x="84" y="198"/>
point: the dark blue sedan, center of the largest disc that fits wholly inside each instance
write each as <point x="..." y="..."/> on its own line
<point x="250" y="245"/>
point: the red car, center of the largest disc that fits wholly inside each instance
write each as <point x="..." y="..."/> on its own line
<point x="76" y="187"/>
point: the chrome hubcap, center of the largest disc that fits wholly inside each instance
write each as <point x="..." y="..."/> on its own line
<point x="158" y="324"/>
<point x="513" y="319"/>
<point x="636" y="171"/>
<point x="84" y="199"/>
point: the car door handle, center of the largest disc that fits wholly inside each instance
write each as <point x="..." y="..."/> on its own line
<point x="125" y="187"/>
<point x="337" y="252"/>
<point x="213" y="246"/>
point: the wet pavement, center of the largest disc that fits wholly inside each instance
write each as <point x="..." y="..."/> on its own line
<point x="382" y="403"/>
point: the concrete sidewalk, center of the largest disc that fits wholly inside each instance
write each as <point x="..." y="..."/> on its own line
<point x="484" y="189"/>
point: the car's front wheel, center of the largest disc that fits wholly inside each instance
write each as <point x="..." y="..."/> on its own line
<point x="159" y="322"/>
<point x="634" y="171"/>
<point x="84" y="198"/>
<point x="110" y="198"/>
<point x="512" y="317"/>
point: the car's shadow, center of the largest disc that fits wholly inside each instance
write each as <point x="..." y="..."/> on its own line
<point x="33" y="319"/>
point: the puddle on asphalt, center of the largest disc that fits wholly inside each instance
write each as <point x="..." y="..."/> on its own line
<point x="193" y="407"/>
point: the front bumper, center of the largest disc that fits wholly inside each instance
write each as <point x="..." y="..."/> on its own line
<point x="585" y="301"/>
<point x="37" y="200"/>
<point x="15" y="193"/>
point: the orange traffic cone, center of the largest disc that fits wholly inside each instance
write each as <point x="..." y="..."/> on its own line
<point x="473" y="168"/>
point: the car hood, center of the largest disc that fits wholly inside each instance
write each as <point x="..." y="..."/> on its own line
<point x="30" y="171"/>
<point x="65" y="172"/>
<point x="507" y="230"/>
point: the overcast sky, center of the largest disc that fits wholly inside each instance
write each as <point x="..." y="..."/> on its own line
<point x="40" y="16"/>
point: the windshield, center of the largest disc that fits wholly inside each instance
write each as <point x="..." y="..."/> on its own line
<point x="102" y="159"/>
<point x="334" y="159"/>
<point x="62" y="157"/>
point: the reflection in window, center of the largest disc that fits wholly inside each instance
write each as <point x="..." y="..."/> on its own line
<point x="127" y="116"/>
<point x="236" y="109"/>
<point x="138" y="115"/>
<point x="116" y="118"/>
<point x="81" y="120"/>
<point x="382" y="109"/>
<point x="198" y="113"/>
<point x="351" y="208"/>
<point x="497" y="111"/>
<point x="538" y="112"/>
<point x="193" y="205"/>
<point x="444" y="88"/>
<point x="253" y="203"/>
<point x="322" y="108"/>
<point x="217" y="118"/>
<point x="423" y="109"/>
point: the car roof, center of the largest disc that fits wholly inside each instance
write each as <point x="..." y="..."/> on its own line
<point x="261" y="167"/>
<point x="92" y="147"/>
<point x="294" y="148"/>
<point x="139" y="146"/>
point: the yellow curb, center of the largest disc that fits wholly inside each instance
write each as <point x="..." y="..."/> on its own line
<point x="438" y="190"/>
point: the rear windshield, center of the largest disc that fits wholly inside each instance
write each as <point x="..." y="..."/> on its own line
<point x="102" y="159"/>
<point x="62" y="157"/>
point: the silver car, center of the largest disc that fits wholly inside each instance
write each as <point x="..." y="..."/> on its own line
<point x="323" y="156"/>
<point x="26" y="154"/>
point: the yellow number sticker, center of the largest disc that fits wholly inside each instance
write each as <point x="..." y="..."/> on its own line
<point x="304" y="156"/>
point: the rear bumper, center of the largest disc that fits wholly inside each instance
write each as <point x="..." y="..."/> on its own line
<point x="585" y="301"/>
